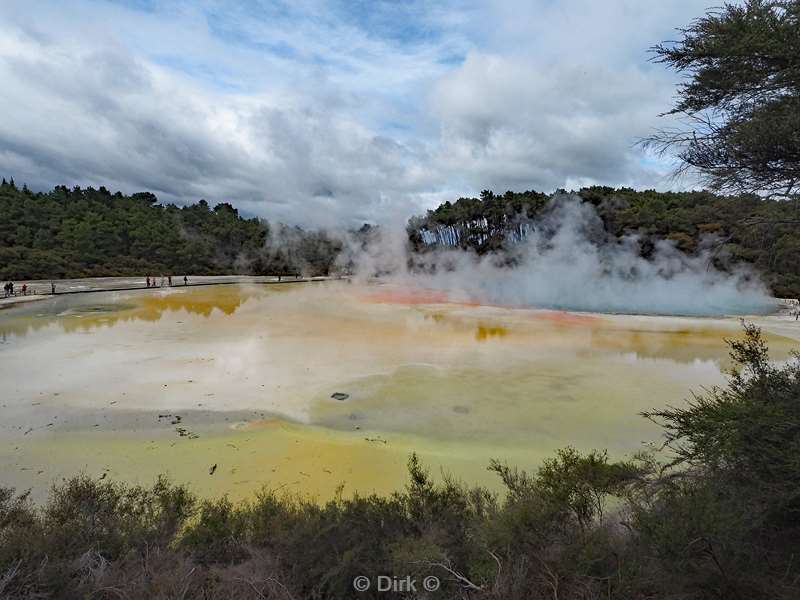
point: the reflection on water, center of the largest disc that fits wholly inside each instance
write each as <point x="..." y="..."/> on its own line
<point x="339" y="382"/>
<point x="72" y="313"/>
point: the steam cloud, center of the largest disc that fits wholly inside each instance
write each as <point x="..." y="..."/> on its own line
<point x="569" y="262"/>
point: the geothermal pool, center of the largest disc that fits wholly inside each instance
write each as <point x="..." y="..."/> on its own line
<point x="304" y="387"/>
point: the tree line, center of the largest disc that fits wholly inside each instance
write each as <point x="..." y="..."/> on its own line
<point x="92" y="232"/>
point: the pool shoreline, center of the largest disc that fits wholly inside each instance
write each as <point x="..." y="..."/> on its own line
<point x="246" y="376"/>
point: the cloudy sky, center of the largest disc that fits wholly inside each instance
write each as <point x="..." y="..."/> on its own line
<point x="333" y="112"/>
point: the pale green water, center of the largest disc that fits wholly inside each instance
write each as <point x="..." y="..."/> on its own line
<point x="251" y="371"/>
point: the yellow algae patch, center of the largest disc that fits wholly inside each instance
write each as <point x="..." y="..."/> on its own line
<point x="484" y="332"/>
<point x="596" y="402"/>
<point x="660" y="337"/>
<point x="294" y="458"/>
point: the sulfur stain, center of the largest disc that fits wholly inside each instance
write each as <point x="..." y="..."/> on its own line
<point x="484" y="332"/>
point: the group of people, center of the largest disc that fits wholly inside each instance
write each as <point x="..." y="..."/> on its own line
<point x="151" y="281"/>
<point x="8" y="289"/>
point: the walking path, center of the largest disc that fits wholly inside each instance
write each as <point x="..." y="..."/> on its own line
<point x="36" y="289"/>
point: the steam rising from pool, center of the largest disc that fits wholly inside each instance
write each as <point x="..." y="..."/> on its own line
<point x="569" y="262"/>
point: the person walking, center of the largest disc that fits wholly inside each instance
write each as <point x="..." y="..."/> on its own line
<point x="24" y="289"/>
<point x="185" y="280"/>
<point x="52" y="288"/>
<point x="148" y="281"/>
<point x="169" y="280"/>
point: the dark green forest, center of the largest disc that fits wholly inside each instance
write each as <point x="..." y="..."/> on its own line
<point x="742" y="228"/>
<point x="715" y="517"/>
<point x="92" y="233"/>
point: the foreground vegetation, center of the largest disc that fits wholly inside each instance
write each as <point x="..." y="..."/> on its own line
<point x="721" y="521"/>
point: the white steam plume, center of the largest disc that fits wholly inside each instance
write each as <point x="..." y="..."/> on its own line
<point x="570" y="263"/>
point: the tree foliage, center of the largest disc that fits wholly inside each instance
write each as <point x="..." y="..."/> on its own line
<point x="740" y="103"/>
<point x="748" y="431"/>
<point x="92" y="232"/>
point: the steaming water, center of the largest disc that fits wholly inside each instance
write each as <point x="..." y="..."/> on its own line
<point x="566" y="260"/>
<point x="97" y="382"/>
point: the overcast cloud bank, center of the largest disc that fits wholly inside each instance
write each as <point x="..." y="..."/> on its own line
<point x="332" y="112"/>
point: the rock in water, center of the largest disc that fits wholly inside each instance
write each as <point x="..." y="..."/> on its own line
<point x="340" y="396"/>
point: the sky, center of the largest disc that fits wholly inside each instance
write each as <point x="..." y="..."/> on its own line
<point x="339" y="112"/>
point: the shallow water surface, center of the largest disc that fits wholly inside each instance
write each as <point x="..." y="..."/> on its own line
<point x="308" y="386"/>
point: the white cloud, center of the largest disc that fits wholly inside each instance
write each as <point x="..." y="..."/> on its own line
<point x="315" y="112"/>
<point x="509" y="124"/>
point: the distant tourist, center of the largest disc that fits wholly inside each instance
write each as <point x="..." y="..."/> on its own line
<point x="24" y="289"/>
<point x="10" y="288"/>
<point x="169" y="280"/>
<point x="148" y="281"/>
<point x="52" y="288"/>
<point x="185" y="280"/>
<point x="7" y="290"/>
